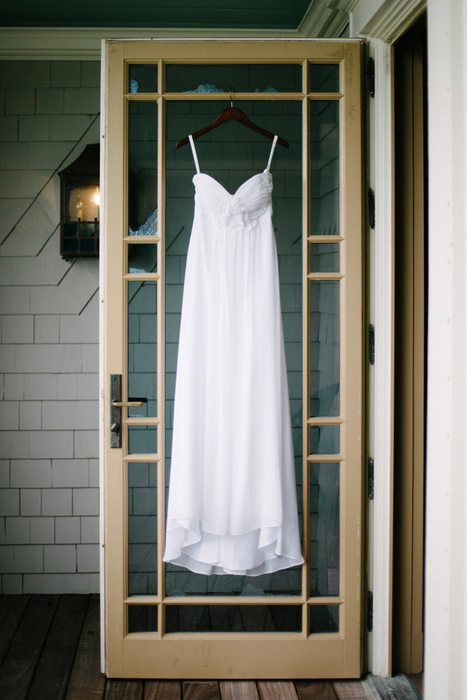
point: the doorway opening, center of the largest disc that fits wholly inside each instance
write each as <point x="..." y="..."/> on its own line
<point x="411" y="228"/>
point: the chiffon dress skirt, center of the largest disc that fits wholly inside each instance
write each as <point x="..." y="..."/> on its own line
<point x="232" y="505"/>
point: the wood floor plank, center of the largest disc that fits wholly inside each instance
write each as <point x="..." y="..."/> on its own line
<point x="352" y="690"/>
<point x="18" y="666"/>
<point x="201" y="690"/>
<point x="12" y="608"/>
<point x="53" y="670"/>
<point x="315" y="690"/>
<point x="116" y="689"/>
<point x="162" y="690"/>
<point x="277" y="690"/>
<point x="239" y="690"/>
<point x="86" y="679"/>
<point x="396" y="688"/>
<point x="36" y="638"/>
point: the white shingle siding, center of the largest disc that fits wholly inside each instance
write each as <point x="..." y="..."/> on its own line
<point x="49" y="334"/>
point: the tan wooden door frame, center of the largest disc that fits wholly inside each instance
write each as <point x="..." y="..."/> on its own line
<point x="303" y="654"/>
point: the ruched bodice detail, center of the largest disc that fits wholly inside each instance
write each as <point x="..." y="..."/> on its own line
<point x="242" y="209"/>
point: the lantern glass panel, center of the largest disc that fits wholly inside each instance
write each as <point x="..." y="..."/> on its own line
<point x="82" y="203"/>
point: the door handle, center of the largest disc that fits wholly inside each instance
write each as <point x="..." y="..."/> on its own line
<point x="116" y="405"/>
<point x="115" y="411"/>
<point x="127" y="404"/>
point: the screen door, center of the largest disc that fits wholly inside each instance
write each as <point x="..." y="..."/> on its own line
<point x="163" y="621"/>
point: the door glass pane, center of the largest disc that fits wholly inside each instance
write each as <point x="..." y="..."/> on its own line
<point x="142" y="78"/>
<point x="232" y="154"/>
<point x="233" y="618"/>
<point x="142" y="168"/>
<point x="142" y="258"/>
<point x="142" y="528"/>
<point x="243" y="77"/>
<point x="324" y="257"/>
<point x="324" y="349"/>
<point x="142" y="439"/>
<point x="324" y="528"/>
<point x="324" y="169"/>
<point x="142" y="347"/>
<point x="324" y="77"/>
<point x="180" y="581"/>
<point x="324" y="439"/>
<point x="324" y="618"/>
<point x="142" y="618"/>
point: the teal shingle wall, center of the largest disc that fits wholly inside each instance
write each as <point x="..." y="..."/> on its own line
<point x="49" y="333"/>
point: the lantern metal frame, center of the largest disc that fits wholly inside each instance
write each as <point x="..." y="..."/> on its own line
<point x="79" y="238"/>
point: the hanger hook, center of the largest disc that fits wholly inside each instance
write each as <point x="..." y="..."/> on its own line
<point x="231" y="100"/>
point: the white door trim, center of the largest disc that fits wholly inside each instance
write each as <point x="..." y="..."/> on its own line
<point x="102" y="417"/>
<point x="381" y="246"/>
<point x="386" y="20"/>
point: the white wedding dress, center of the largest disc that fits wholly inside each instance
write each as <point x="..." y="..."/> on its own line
<point x="232" y="499"/>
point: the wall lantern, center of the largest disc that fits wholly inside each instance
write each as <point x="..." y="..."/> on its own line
<point x="79" y="206"/>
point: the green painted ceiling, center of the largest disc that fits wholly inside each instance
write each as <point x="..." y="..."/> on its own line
<point x="196" y="14"/>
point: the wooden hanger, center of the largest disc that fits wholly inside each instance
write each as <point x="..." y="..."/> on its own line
<point x="232" y="113"/>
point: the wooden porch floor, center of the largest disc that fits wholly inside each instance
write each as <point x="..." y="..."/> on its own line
<point x="49" y="650"/>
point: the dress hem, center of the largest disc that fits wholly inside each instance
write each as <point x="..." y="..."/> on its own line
<point x="261" y="550"/>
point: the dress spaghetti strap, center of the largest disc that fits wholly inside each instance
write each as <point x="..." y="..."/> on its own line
<point x="195" y="156"/>
<point x="271" y="153"/>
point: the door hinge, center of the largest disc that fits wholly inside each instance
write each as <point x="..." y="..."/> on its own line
<point x="371" y="344"/>
<point x="371" y="478"/>
<point x="371" y="208"/>
<point x="369" y="611"/>
<point x="370" y="71"/>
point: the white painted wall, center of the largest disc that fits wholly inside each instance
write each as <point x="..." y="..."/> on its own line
<point x="49" y="529"/>
<point x="446" y="540"/>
